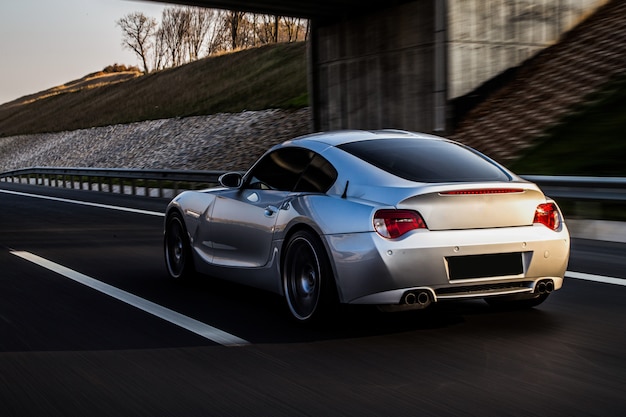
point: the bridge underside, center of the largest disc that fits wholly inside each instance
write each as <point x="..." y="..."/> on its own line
<point x="299" y="8"/>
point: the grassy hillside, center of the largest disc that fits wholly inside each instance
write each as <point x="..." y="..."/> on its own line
<point x="272" y="76"/>
<point x="591" y="141"/>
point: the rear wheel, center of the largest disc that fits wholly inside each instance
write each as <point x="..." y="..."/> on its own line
<point x="178" y="257"/>
<point x="307" y="278"/>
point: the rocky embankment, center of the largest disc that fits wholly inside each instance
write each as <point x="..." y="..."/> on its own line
<point x="216" y="142"/>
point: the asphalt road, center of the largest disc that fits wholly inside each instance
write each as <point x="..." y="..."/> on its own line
<point x="67" y="349"/>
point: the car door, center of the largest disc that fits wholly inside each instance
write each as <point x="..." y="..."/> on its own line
<point x="241" y="224"/>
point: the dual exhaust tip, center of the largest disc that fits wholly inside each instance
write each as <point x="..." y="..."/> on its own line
<point x="417" y="299"/>
<point x="545" y="286"/>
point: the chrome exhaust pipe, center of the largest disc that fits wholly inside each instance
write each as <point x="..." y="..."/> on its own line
<point x="418" y="299"/>
<point x="410" y="298"/>
<point x="423" y="298"/>
<point x="541" y="287"/>
<point x="545" y="286"/>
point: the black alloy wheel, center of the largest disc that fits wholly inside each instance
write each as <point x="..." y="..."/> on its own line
<point x="307" y="278"/>
<point x="178" y="257"/>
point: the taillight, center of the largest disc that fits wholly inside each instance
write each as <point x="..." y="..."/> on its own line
<point x="548" y="215"/>
<point x="394" y="223"/>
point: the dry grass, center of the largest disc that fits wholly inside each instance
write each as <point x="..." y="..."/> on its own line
<point x="272" y="76"/>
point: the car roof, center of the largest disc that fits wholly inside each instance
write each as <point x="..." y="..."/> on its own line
<point x="340" y="137"/>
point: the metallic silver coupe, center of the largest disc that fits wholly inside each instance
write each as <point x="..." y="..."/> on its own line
<point x="389" y="218"/>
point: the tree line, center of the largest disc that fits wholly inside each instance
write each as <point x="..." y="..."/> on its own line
<point x="185" y="34"/>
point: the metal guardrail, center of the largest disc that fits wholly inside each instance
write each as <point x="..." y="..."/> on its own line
<point x="153" y="182"/>
<point x="581" y="188"/>
<point x="146" y="182"/>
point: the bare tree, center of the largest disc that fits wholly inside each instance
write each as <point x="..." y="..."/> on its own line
<point x="186" y="33"/>
<point x="200" y="24"/>
<point x="292" y="28"/>
<point x="174" y="29"/>
<point x="307" y="29"/>
<point x="159" y="55"/>
<point x="234" y="22"/>
<point x="217" y="38"/>
<point x="247" y="33"/>
<point x="137" y="32"/>
<point x="276" y="28"/>
<point x="267" y="29"/>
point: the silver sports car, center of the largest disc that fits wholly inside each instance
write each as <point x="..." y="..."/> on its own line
<point x="388" y="218"/>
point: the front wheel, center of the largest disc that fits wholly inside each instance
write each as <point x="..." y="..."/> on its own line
<point x="177" y="249"/>
<point x="307" y="278"/>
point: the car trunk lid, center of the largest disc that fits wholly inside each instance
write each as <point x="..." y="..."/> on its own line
<point x="476" y="206"/>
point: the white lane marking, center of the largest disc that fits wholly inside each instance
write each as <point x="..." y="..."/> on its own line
<point x="85" y="203"/>
<point x="596" y="278"/>
<point x="208" y="332"/>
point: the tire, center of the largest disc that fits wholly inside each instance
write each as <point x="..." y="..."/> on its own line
<point x="178" y="257"/>
<point x="516" y="303"/>
<point x="308" y="281"/>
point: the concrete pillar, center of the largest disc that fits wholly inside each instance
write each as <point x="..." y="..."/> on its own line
<point x="379" y="71"/>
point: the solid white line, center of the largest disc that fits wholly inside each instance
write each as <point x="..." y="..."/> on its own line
<point x="209" y="332"/>
<point x="596" y="278"/>
<point x="85" y="203"/>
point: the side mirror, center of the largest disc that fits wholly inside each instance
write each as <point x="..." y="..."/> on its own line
<point x="231" y="180"/>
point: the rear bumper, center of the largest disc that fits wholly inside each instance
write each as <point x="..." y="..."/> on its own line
<point x="411" y="298"/>
<point x="373" y="270"/>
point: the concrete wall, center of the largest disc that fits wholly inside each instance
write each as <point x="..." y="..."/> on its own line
<point x="398" y="67"/>
<point x="376" y="71"/>
<point x="487" y="37"/>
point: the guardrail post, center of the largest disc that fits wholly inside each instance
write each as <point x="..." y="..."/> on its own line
<point x="178" y="180"/>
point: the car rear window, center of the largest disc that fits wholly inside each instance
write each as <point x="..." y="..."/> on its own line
<point x="427" y="160"/>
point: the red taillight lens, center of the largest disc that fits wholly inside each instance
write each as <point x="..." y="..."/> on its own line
<point x="394" y="223"/>
<point x="548" y="215"/>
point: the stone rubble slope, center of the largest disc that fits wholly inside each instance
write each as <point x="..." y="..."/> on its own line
<point x="549" y="86"/>
<point x="215" y="142"/>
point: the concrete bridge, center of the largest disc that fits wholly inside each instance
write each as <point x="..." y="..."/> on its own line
<point x="398" y="63"/>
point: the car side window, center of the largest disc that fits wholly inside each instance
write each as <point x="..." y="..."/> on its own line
<point x="293" y="169"/>
<point x="280" y="170"/>
<point x="318" y="177"/>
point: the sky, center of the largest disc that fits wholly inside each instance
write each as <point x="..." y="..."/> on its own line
<point x="45" y="43"/>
